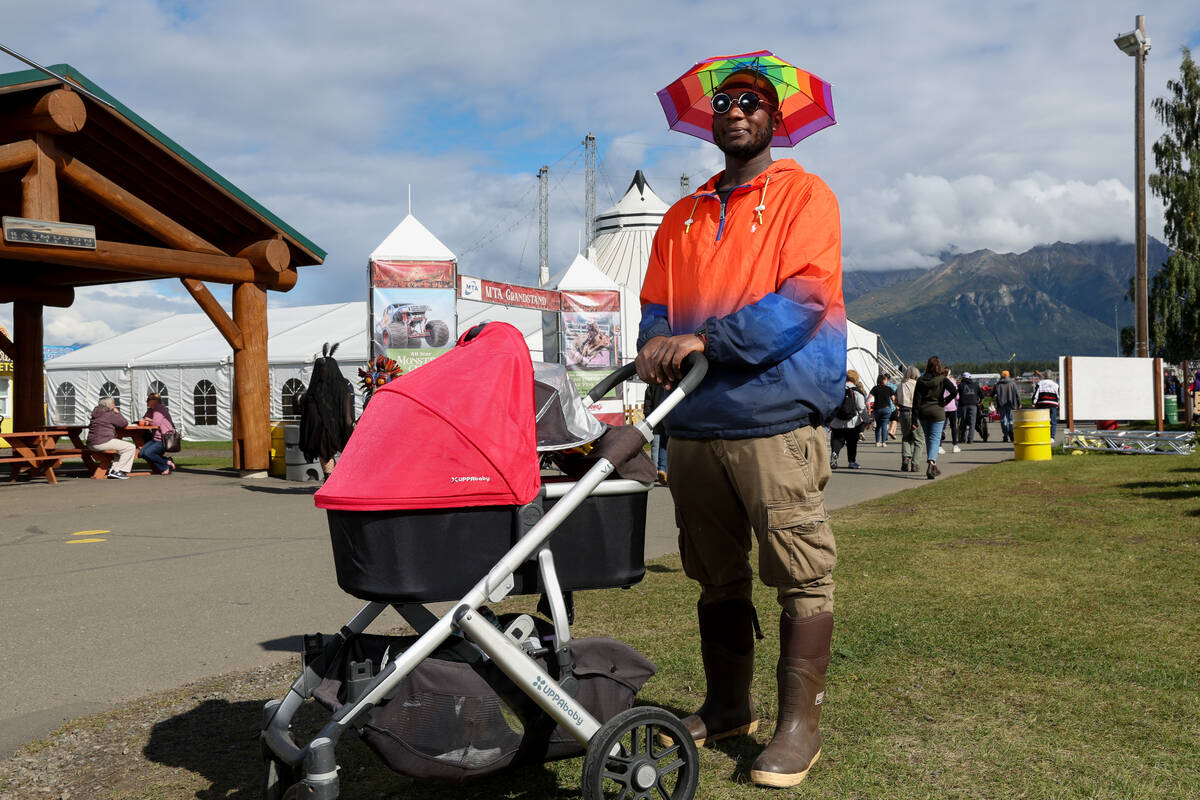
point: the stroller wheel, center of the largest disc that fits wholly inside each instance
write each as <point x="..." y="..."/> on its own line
<point x="625" y="759"/>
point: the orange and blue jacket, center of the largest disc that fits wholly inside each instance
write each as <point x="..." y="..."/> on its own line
<point x="762" y="273"/>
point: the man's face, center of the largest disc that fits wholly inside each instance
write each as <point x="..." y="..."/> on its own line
<point x="738" y="134"/>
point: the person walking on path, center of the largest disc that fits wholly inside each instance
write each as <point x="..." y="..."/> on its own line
<point x="969" y="398"/>
<point x="846" y="425"/>
<point x="1045" y="395"/>
<point x="753" y="279"/>
<point x="894" y="422"/>
<point x="882" y="395"/>
<point x="102" y="435"/>
<point x="951" y="426"/>
<point x="1008" y="398"/>
<point x="934" y="390"/>
<point x="912" y="441"/>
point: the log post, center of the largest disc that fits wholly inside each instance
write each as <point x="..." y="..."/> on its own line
<point x="1158" y="395"/>
<point x="252" y="380"/>
<point x="39" y="187"/>
<point x="28" y="389"/>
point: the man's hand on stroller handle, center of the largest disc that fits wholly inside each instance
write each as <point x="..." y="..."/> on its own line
<point x="660" y="361"/>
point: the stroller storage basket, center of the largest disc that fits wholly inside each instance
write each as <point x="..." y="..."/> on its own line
<point x="453" y="720"/>
<point x="424" y="556"/>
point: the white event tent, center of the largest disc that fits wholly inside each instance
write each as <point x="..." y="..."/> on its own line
<point x="186" y="359"/>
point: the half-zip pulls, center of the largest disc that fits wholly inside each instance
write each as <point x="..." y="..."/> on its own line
<point x="758" y="209"/>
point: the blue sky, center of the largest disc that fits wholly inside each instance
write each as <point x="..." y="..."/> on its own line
<point x="960" y="125"/>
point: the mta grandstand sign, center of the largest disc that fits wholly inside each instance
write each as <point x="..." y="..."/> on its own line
<point x="507" y="294"/>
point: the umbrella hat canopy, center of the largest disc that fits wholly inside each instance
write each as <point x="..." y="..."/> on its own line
<point x="805" y="100"/>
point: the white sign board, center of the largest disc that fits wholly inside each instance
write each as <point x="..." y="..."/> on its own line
<point x="1109" y="388"/>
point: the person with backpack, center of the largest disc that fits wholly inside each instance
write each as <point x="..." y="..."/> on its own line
<point x="1008" y="399"/>
<point x="847" y="422"/>
<point x="969" y="398"/>
<point x="933" y="391"/>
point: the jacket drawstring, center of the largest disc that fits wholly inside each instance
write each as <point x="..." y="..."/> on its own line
<point x="762" y="200"/>
<point x="687" y="223"/>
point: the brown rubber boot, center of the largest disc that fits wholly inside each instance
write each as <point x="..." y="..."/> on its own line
<point x="727" y="648"/>
<point x="803" y="658"/>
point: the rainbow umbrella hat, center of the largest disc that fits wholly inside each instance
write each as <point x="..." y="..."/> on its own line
<point x="806" y="101"/>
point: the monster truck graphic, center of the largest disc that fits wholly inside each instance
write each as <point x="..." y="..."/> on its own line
<point x="404" y="325"/>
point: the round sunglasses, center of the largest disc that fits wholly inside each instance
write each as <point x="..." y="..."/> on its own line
<point x="748" y="102"/>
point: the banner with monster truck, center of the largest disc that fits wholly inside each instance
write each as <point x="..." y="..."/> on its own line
<point x="413" y="291"/>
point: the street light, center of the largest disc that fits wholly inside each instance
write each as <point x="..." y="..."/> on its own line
<point x="1137" y="44"/>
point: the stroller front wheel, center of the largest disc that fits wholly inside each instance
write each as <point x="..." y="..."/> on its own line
<point x="626" y="758"/>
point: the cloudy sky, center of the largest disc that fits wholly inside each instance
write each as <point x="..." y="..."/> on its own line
<point x="960" y="125"/>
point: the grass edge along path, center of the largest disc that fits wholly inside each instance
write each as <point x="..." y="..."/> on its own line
<point x="1024" y="630"/>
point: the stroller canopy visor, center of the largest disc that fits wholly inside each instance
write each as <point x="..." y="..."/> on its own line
<point x="458" y="431"/>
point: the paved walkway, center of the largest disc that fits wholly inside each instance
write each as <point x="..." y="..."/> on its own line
<point x="111" y="590"/>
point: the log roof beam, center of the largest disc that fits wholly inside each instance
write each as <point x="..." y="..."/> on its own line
<point x="59" y="296"/>
<point x="204" y="298"/>
<point x="56" y="112"/>
<point x="158" y="262"/>
<point x="17" y="154"/>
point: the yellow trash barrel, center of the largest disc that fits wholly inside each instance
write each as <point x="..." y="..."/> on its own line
<point x="1031" y="434"/>
<point x="278" y="464"/>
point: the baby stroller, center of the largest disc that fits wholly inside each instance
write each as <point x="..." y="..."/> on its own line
<point x="439" y="496"/>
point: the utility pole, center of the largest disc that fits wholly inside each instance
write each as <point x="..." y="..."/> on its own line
<point x="1136" y="44"/>
<point x="685" y="185"/>
<point x="589" y="189"/>
<point x="1143" y="314"/>
<point x="543" y="226"/>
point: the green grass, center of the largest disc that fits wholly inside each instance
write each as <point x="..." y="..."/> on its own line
<point x="1025" y="630"/>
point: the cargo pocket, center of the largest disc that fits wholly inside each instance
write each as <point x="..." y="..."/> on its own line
<point x="798" y="546"/>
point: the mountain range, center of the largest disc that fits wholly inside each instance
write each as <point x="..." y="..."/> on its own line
<point x="1055" y="299"/>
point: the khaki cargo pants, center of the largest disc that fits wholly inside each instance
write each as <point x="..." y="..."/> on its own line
<point x="726" y="488"/>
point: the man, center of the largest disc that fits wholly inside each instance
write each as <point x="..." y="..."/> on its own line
<point x="1008" y="398"/>
<point x="968" y="407"/>
<point x="748" y="271"/>
<point x="1045" y="395"/>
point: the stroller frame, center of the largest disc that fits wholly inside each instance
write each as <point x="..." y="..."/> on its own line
<point x="311" y="771"/>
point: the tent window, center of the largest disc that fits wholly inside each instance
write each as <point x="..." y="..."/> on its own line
<point x="204" y="403"/>
<point x="109" y="389"/>
<point x="293" y="388"/>
<point x="64" y="398"/>
<point x="159" y="388"/>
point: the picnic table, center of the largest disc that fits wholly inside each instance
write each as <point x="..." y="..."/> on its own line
<point x="34" y="452"/>
<point x="96" y="462"/>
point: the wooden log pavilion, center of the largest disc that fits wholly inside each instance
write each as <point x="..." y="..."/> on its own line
<point x="158" y="212"/>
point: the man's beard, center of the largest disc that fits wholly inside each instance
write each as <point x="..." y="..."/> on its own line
<point x="746" y="148"/>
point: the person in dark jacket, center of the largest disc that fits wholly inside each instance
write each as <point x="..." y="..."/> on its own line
<point x="1008" y="398"/>
<point x="969" y="398"/>
<point x="326" y="412"/>
<point x="102" y="435"/>
<point x="934" y="390"/>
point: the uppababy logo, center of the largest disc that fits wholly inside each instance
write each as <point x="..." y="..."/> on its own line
<point x="540" y="685"/>
<point x="470" y="479"/>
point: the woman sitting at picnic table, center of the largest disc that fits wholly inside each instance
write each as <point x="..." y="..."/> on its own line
<point x="152" y="451"/>
<point x="102" y="435"/>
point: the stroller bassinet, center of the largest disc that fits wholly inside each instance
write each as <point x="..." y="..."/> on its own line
<point x="439" y="496"/>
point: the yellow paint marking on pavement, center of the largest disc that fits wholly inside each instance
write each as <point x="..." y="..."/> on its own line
<point x="89" y="533"/>
<point x="84" y="541"/>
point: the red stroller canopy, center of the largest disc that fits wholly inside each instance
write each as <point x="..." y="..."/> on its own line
<point x="458" y="431"/>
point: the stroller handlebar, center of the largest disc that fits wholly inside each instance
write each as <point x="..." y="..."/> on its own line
<point x="697" y="368"/>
